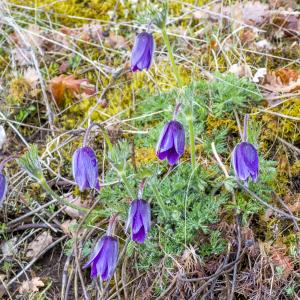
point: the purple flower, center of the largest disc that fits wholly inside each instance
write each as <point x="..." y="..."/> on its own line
<point x="104" y="258"/>
<point x="142" y="52"/>
<point x="85" y="168"/>
<point x="171" y="142"/>
<point x="3" y="188"/>
<point x="245" y="161"/>
<point x="139" y="219"/>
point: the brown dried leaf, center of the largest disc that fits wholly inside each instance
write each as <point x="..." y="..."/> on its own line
<point x="280" y="259"/>
<point x="68" y="227"/>
<point x="61" y="84"/>
<point x="72" y="212"/>
<point x="241" y="70"/>
<point x="117" y="41"/>
<point x="31" y="286"/>
<point x="282" y="81"/>
<point x="41" y="242"/>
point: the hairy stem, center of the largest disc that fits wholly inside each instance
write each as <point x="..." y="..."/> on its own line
<point x="171" y="56"/>
<point x="192" y="141"/>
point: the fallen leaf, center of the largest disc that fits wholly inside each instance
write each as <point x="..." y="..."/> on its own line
<point x="8" y="248"/>
<point x="117" y="41"/>
<point x="255" y="13"/>
<point x="72" y="212"/>
<point x="259" y="75"/>
<point x="241" y="70"/>
<point x="282" y="81"/>
<point x="41" y="242"/>
<point x="32" y="77"/>
<point x="264" y="45"/>
<point x="31" y="286"/>
<point x="69" y="227"/>
<point x="62" y="84"/>
<point x="281" y="260"/>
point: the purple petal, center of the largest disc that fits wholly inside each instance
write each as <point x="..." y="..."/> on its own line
<point x="90" y="166"/>
<point x="145" y="212"/>
<point x="3" y="188"/>
<point x="179" y="137"/>
<point x="140" y="236"/>
<point x="131" y="214"/>
<point x="245" y="161"/>
<point x="142" y="52"/>
<point x="78" y="170"/>
<point x="96" y="252"/>
<point x="172" y="157"/>
<point x="250" y="156"/>
<point x="165" y="141"/>
<point x="113" y="257"/>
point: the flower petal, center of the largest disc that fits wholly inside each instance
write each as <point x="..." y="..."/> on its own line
<point x="3" y="188"/>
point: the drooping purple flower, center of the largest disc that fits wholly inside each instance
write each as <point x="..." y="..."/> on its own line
<point x="171" y="142"/>
<point x="3" y="188"/>
<point x="142" y="52"/>
<point x="245" y="161"/>
<point x="139" y="219"/>
<point x="85" y="168"/>
<point x="104" y="258"/>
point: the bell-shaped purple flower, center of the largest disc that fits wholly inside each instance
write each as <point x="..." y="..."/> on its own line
<point x="104" y="258"/>
<point x="85" y="168"/>
<point x="142" y="52"/>
<point x="171" y="142"/>
<point x="245" y="161"/>
<point x="3" y="188"/>
<point x="139" y="219"/>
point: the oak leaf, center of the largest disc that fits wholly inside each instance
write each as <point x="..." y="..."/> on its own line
<point x="31" y="286"/>
<point x="58" y="86"/>
<point x="41" y="242"/>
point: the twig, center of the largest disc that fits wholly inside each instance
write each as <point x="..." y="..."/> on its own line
<point x="279" y="211"/>
<point x="35" y="259"/>
<point x="32" y="225"/>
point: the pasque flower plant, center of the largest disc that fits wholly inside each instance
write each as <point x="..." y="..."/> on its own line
<point x="104" y="258"/>
<point x="142" y="53"/>
<point x="139" y="220"/>
<point x="245" y="159"/>
<point x="85" y="166"/>
<point x="171" y="142"/>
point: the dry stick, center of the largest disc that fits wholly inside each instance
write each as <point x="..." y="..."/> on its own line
<point x="297" y="228"/>
<point x="35" y="259"/>
<point x="65" y="276"/>
<point x="31" y="212"/>
<point x="33" y="225"/>
<point x="279" y="211"/>
<point x="291" y="146"/>
<point x="214" y="277"/>
<point x="69" y="284"/>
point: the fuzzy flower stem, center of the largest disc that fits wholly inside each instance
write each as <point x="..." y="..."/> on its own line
<point x="112" y="225"/>
<point x="159" y="199"/>
<point x="192" y="141"/>
<point x="245" y="136"/>
<point x="176" y="111"/>
<point x="47" y="188"/>
<point x="171" y="56"/>
<point x="86" y="135"/>
<point x="180" y="85"/>
<point x="126" y="184"/>
<point x="141" y="189"/>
